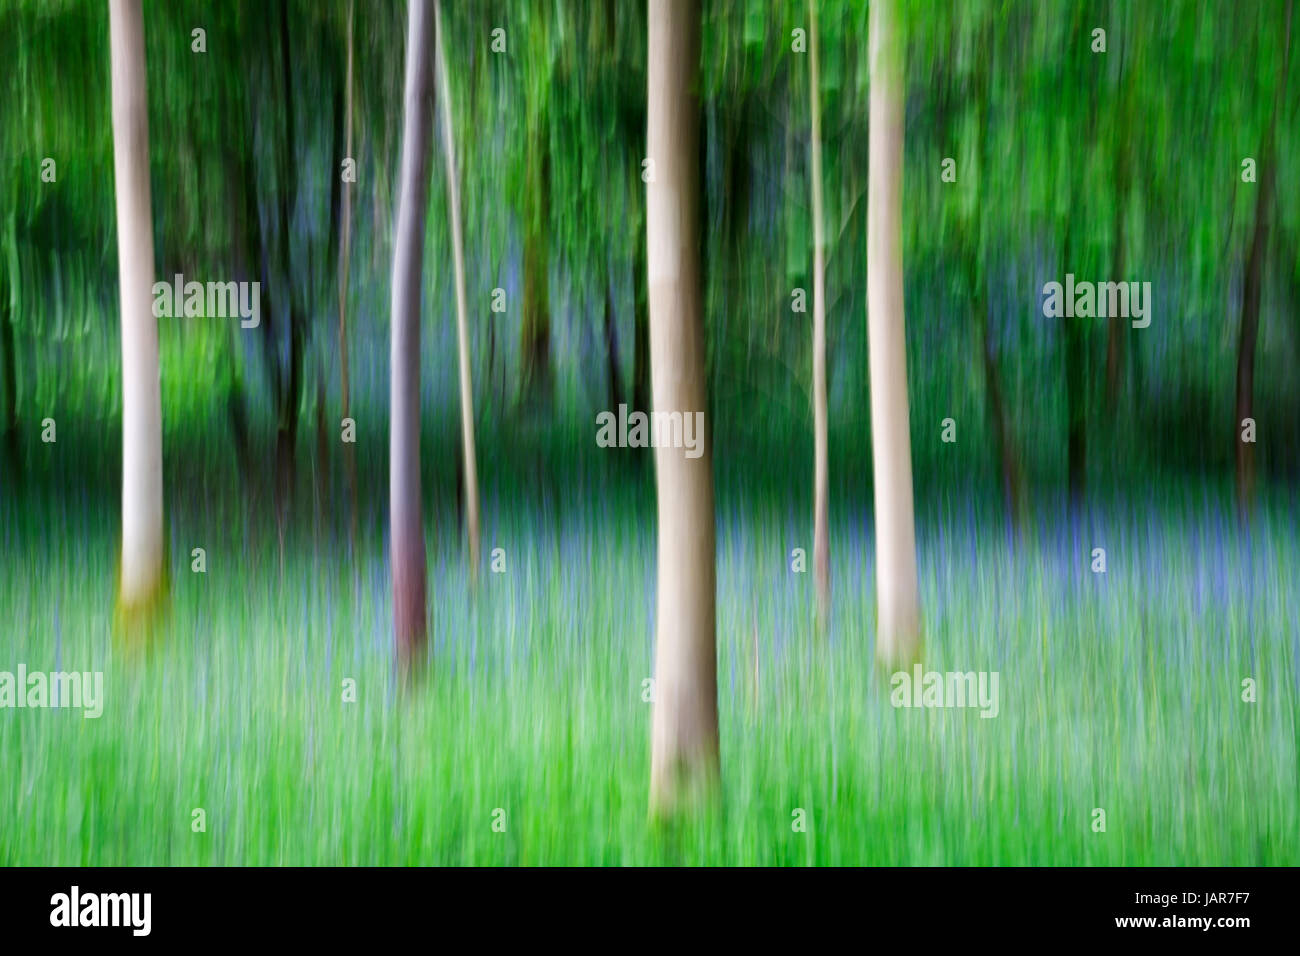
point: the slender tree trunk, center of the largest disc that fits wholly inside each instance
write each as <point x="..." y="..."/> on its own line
<point x="641" y="346"/>
<point x="286" y="380"/>
<point x="462" y="311"/>
<point x="684" y="766"/>
<point x="244" y="240"/>
<point x="535" y="346"/>
<point x="332" y="260"/>
<point x="1252" y="290"/>
<point x="1075" y="357"/>
<point x="898" y="627"/>
<point x="641" y="458"/>
<point x="406" y="519"/>
<point x="821" y="489"/>
<point x="142" y="493"/>
<point x="8" y="376"/>
<point x="997" y="410"/>
<point x="237" y="407"/>
<point x="1077" y="353"/>
<point x="321" y="471"/>
<point x="975" y="265"/>
<point x="611" y="351"/>
<point x="821" y="480"/>
<point x="345" y="249"/>
<point x="634" y="111"/>
<point x="1116" y="326"/>
<point x="290" y="398"/>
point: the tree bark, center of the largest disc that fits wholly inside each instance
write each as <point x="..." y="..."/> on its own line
<point x="245" y="246"/>
<point x="406" y="519"/>
<point x="975" y="265"/>
<point x="142" y="493"/>
<point x="1252" y="290"/>
<point x="996" y="408"/>
<point x="9" y="379"/>
<point x="535" y="344"/>
<point x="470" y="470"/>
<point x="684" y="767"/>
<point x="345" y="248"/>
<point x="641" y="331"/>
<point x="1116" y="327"/>
<point x="821" y="480"/>
<point x="290" y="395"/>
<point x="898" y="625"/>
<point x="613" y="379"/>
<point x="1076" y="358"/>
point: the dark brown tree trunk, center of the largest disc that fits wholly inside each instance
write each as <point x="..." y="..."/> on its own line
<point x="345" y="249"/>
<point x="535" y="346"/>
<point x="1116" y="324"/>
<point x="995" y="406"/>
<point x="1076" y="429"/>
<point x="1249" y="335"/>
<point x="1075" y="327"/>
<point x="611" y="352"/>
<point x="821" y="459"/>
<point x="641" y="357"/>
<point x="321" y="471"/>
<point x="289" y="399"/>
<point x="1252" y="289"/>
<point x="1115" y="329"/>
<point x="246" y="240"/>
<point x="9" y="380"/>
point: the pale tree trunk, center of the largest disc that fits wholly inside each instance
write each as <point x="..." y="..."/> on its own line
<point x="821" y="479"/>
<point x="406" y="519"/>
<point x="142" y="493"/>
<point x="898" y="621"/>
<point x="684" y="766"/>
<point x="462" y="317"/>
<point x="345" y="249"/>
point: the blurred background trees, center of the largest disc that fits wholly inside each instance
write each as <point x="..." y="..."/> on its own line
<point x="1125" y="164"/>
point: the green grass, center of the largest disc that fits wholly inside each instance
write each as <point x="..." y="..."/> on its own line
<point x="1120" y="691"/>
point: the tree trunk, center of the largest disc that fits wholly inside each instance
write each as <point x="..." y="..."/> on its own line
<point x="1076" y="358"/>
<point x="821" y="486"/>
<point x="406" y="519"/>
<point x="245" y="247"/>
<point x="612" y="376"/>
<point x="641" y="459"/>
<point x="290" y="396"/>
<point x="345" y="248"/>
<point x="684" y="767"/>
<point x="898" y="625"/>
<point x="1252" y="290"/>
<point x="332" y="260"/>
<point x="535" y="344"/>
<point x="142" y="493"/>
<point x="9" y="379"/>
<point x="1075" y="329"/>
<point x="470" y="473"/>
<point x="996" y="408"/>
<point x="1117" y="325"/>
<point x="976" y="259"/>
<point x="641" y="346"/>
